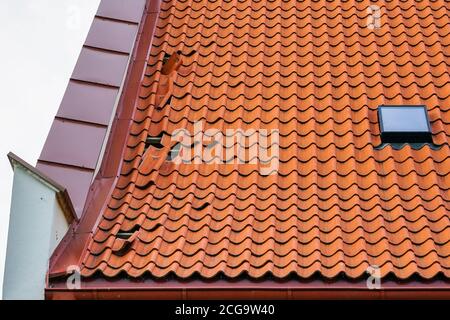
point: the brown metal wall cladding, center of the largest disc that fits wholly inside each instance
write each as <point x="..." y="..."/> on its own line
<point x="72" y="150"/>
<point x="124" y="10"/>
<point x="313" y="70"/>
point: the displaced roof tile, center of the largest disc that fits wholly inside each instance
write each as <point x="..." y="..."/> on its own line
<point x="338" y="203"/>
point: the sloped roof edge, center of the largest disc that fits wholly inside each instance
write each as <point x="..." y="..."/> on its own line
<point x="91" y="98"/>
<point x="69" y="251"/>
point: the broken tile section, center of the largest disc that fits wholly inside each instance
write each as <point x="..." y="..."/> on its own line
<point x="317" y="72"/>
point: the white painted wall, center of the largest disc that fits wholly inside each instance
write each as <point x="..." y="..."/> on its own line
<point x="36" y="226"/>
<point x="41" y="41"/>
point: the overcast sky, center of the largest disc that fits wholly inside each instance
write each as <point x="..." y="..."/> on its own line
<point x="40" y="43"/>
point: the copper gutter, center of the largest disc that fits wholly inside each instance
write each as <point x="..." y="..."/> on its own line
<point x="247" y="289"/>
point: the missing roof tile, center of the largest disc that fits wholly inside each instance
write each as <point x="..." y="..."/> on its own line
<point x="174" y="152"/>
<point x="154" y="142"/>
<point x="126" y="234"/>
<point x="166" y="57"/>
<point x="123" y="250"/>
<point x="168" y="101"/>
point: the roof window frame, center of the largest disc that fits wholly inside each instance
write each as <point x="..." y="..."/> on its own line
<point x="405" y="135"/>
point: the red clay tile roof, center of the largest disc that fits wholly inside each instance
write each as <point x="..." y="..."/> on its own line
<point x="316" y="72"/>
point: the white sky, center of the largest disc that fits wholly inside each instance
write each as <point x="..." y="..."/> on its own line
<point x="40" y="44"/>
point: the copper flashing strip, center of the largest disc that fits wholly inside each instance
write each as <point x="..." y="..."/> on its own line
<point x="81" y="126"/>
<point x="61" y="192"/>
<point x="71" y="247"/>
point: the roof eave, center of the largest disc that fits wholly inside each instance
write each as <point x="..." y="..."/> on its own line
<point x="246" y="289"/>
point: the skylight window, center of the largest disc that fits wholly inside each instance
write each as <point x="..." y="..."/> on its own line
<point x="404" y="124"/>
